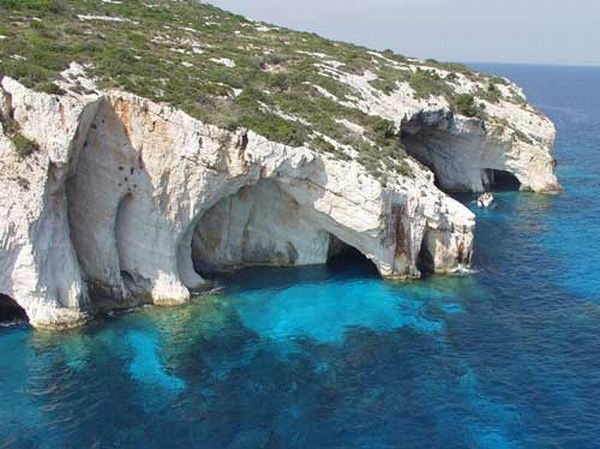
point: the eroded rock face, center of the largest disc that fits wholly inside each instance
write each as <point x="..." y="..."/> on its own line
<point x="462" y="151"/>
<point x="125" y="195"/>
<point x="259" y="225"/>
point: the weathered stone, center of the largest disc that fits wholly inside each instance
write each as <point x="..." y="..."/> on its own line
<point x="124" y="195"/>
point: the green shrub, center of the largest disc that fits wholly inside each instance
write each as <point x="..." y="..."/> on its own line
<point x="23" y="145"/>
<point x="387" y="86"/>
<point x="384" y="130"/>
<point x="49" y="88"/>
<point x="280" y="82"/>
<point x="498" y="80"/>
<point x="465" y="105"/>
<point x="491" y="94"/>
<point x="272" y="60"/>
<point x="54" y="6"/>
<point x="427" y="83"/>
<point x="10" y="126"/>
<point x="451" y="76"/>
<point x="450" y="66"/>
<point x="390" y="54"/>
<point x="321" y="144"/>
<point x="277" y="129"/>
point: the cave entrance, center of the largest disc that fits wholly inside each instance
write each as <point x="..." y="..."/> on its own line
<point x="259" y="225"/>
<point x="10" y="311"/>
<point x="429" y="141"/>
<point x="499" y="180"/>
<point x="425" y="262"/>
<point x="423" y="143"/>
<point x="263" y="226"/>
<point x="343" y="258"/>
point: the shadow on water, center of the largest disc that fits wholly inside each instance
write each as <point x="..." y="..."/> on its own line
<point x="345" y="264"/>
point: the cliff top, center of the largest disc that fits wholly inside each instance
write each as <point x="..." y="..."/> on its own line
<point x="292" y="87"/>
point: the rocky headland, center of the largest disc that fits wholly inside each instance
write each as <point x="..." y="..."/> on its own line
<point x="122" y="184"/>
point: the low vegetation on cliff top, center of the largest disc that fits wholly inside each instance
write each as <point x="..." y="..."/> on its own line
<point x="293" y="87"/>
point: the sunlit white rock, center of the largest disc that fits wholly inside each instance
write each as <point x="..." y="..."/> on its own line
<point x="109" y="208"/>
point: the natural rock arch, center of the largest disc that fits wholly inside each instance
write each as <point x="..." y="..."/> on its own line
<point x="461" y="154"/>
<point x="341" y="257"/>
<point x="261" y="225"/>
<point x="499" y="180"/>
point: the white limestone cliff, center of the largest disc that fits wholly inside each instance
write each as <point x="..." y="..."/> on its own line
<point x="126" y="197"/>
<point x="462" y="151"/>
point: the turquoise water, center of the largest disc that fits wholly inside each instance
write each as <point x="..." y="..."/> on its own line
<point x="508" y="357"/>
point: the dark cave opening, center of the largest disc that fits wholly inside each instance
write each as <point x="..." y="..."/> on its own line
<point x="425" y="262"/>
<point x="422" y="143"/>
<point x="499" y="181"/>
<point x="10" y="311"/>
<point x="343" y="258"/>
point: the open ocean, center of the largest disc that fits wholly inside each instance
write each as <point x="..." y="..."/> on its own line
<point x="508" y="357"/>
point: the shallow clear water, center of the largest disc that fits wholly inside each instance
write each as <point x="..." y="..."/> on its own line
<point x="506" y="358"/>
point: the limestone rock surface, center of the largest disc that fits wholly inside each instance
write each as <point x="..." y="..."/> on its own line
<point x="126" y="201"/>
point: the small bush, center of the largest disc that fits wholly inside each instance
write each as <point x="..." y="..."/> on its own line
<point x="465" y="105"/>
<point x="273" y="60"/>
<point x="498" y="80"/>
<point x="280" y="82"/>
<point x="451" y="77"/>
<point x="384" y="130"/>
<point x="390" y="54"/>
<point x="24" y="146"/>
<point x="427" y="83"/>
<point x="384" y="85"/>
<point x="322" y="145"/>
<point x="491" y="94"/>
<point x="277" y="129"/>
<point x="11" y="127"/>
<point x="49" y="88"/>
<point x="450" y="66"/>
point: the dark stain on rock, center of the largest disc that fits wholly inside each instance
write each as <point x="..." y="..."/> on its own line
<point x="292" y="253"/>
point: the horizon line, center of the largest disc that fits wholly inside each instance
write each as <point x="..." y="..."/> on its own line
<point x="539" y="64"/>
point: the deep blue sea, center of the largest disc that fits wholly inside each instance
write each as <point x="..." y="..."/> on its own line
<point x="508" y="357"/>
